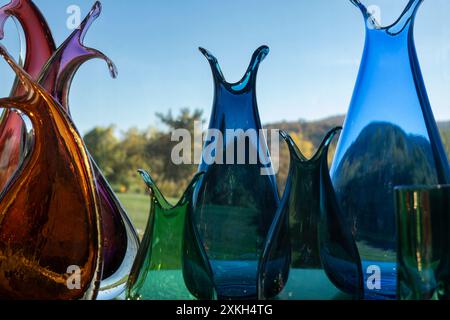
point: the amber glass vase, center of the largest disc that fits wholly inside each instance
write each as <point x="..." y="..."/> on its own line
<point x="50" y="224"/>
<point x="120" y="241"/>
<point x="55" y="69"/>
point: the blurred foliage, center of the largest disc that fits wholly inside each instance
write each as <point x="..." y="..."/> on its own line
<point x="121" y="155"/>
<point x="445" y="134"/>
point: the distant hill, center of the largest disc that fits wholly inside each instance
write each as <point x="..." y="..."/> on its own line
<point x="315" y="131"/>
<point x="444" y="125"/>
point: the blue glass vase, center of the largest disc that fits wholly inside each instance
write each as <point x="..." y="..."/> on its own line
<point x="237" y="197"/>
<point x="390" y="138"/>
<point x="310" y="252"/>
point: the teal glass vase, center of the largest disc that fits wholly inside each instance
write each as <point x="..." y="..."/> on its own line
<point x="310" y="253"/>
<point x="237" y="197"/>
<point x="169" y="251"/>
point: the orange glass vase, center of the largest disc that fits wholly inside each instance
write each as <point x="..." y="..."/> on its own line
<point x="120" y="242"/>
<point x="54" y="70"/>
<point x="50" y="228"/>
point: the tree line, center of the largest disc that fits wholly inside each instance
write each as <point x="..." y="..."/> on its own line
<point x="120" y="156"/>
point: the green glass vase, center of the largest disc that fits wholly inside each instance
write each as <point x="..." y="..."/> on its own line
<point x="423" y="239"/>
<point x="169" y="252"/>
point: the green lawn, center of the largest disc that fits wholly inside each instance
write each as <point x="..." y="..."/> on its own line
<point x="137" y="207"/>
<point x="167" y="252"/>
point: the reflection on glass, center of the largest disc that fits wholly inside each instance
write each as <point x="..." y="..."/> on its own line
<point x="309" y="253"/>
<point x="423" y="221"/>
<point x="390" y="138"/>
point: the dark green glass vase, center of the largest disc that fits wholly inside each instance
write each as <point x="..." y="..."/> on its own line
<point x="309" y="252"/>
<point x="169" y="251"/>
<point x="423" y="252"/>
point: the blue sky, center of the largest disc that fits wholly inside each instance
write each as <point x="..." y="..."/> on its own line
<point x="316" y="46"/>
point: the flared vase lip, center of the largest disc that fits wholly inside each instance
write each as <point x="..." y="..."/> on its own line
<point x="80" y="33"/>
<point x="68" y="58"/>
<point x="244" y="84"/>
<point x="6" y="11"/>
<point x="421" y="187"/>
<point x="160" y="198"/>
<point x="395" y="28"/>
<point x="25" y="14"/>
<point x="298" y="154"/>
